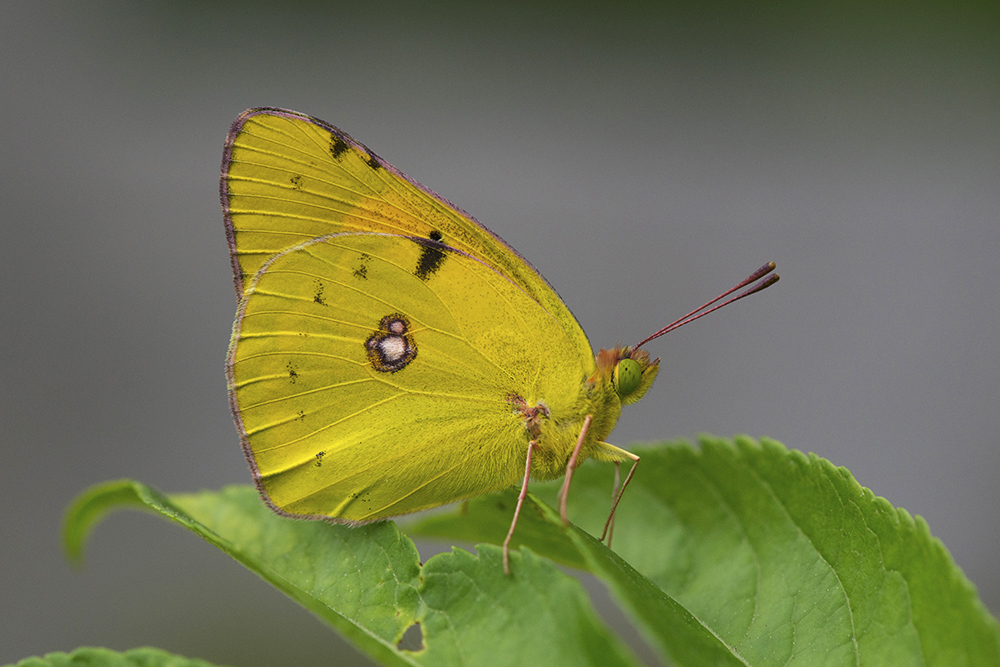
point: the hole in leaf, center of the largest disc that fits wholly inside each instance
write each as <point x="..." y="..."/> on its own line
<point x="413" y="639"/>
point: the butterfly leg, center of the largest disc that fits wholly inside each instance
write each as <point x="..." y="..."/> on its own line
<point x="517" y="510"/>
<point x="610" y="528"/>
<point x="609" y="524"/>
<point x="570" y="467"/>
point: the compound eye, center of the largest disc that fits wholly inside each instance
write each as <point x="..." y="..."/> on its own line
<point x="628" y="375"/>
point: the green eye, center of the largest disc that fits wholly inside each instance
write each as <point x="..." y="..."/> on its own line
<point x="628" y="374"/>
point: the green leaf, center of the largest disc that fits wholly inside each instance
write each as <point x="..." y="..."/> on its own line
<point x="740" y="553"/>
<point x="781" y="556"/>
<point x="102" y="657"/>
<point x="368" y="583"/>
<point x="673" y="629"/>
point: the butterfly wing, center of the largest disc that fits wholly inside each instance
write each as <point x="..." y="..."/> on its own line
<point x="373" y="375"/>
<point x="288" y="178"/>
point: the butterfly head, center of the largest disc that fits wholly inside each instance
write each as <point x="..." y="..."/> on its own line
<point x="630" y="372"/>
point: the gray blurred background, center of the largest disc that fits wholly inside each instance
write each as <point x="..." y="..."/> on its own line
<point x="643" y="158"/>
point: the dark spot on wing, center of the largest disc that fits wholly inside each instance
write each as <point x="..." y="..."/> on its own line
<point x="293" y="373"/>
<point x="338" y="147"/>
<point x="373" y="162"/>
<point x="431" y="255"/>
<point x="361" y="271"/>
<point x="391" y="347"/>
<point x="319" y="458"/>
<point x="296" y="181"/>
<point x="362" y="498"/>
<point x="318" y="295"/>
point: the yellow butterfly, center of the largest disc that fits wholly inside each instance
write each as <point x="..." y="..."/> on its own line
<point x="390" y="354"/>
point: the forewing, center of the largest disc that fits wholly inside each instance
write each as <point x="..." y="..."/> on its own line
<point x="288" y="178"/>
<point x="335" y="425"/>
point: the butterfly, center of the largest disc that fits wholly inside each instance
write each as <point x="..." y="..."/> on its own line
<point x="390" y="354"/>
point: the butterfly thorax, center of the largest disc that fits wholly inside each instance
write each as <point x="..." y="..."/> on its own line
<point x="556" y="429"/>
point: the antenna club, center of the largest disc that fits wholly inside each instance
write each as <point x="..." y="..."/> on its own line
<point x="762" y="271"/>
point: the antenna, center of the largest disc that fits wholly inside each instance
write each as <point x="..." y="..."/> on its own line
<point x="701" y="312"/>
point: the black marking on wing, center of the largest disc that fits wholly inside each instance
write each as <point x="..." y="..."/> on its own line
<point x="361" y="272"/>
<point x="338" y="147"/>
<point x="392" y="347"/>
<point x="431" y="255"/>
<point x="318" y="295"/>
<point x="293" y="373"/>
<point x="373" y="161"/>
<point x="296" y="181"/>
